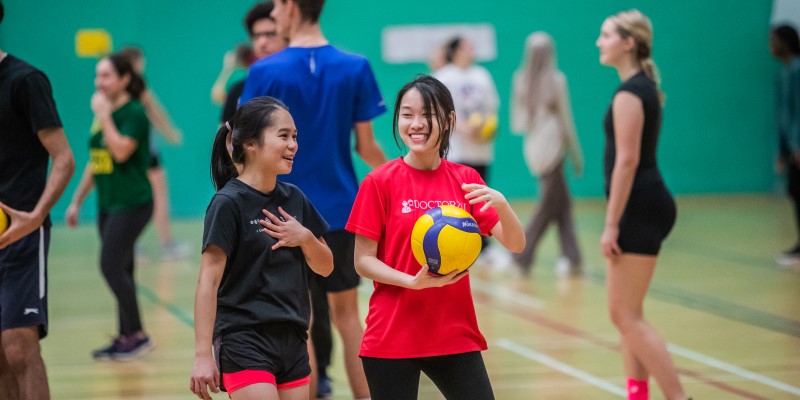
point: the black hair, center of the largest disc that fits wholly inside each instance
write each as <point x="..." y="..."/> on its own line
<point x="310" y="10"/>
<point x="788" y="35"/>
<point x="436" y="101"/>
<point x="451" y="47"/>
<point x="248" y="124"/>
<point x="122" y="64"/>
<point x="2" y="11"/>
<point x="257" y="12"/>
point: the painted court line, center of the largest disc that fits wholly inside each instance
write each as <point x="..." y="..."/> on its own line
<point x="713" y="362"/>
<point x="507" y="294"/>
<point x="561" y="367"/>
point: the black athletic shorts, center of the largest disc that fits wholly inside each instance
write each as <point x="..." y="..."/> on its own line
<point x="278" y="348"/>
<point x="155" y="161"/>
<point x="344" y="277"/>
<point x="647" y="220"/>
<point x="23" y="282"/>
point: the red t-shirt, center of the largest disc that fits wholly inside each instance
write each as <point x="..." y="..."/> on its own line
<point x="408" y="323"/>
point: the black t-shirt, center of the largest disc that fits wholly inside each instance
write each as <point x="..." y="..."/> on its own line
<point x="26" y="107"/>
<point x="645" y="89"/>
<point x="232" y="101"/>
<point x="259" y="285"/>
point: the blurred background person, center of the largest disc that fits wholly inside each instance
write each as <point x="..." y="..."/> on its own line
<point x="119" y="158"/>
<point x="265" y="42"/>
<point x="476" y="99"/>
<point x="235" y="63"/>
<point x="160" y="122"/>
<point x="785" y="47"/>
<point x="541" y="111"/>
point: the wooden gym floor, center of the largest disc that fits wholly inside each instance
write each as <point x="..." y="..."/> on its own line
<point x="730" y="315"/>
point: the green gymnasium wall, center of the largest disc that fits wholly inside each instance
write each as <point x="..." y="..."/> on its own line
<point x="717" y="73"/>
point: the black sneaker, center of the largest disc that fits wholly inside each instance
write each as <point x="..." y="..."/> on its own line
<point x="105" y="353"/>
<point x="324" y="386"/>
<point x="123" y="348"/>
<point x="131" y="348"/>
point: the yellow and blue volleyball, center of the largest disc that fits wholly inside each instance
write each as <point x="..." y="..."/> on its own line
<point x="446" y="238"/>
<point x="3" y="221"/>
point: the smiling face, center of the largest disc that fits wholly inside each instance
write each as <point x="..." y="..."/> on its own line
<point x="278" y="145"/>
<point x="614" y="49"/>
<point x="417" y="133"/>
<point x="108" y="81"/>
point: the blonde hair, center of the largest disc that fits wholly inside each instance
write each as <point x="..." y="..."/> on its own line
<point x="535" y="83"/>
<point x="633" y="23"/>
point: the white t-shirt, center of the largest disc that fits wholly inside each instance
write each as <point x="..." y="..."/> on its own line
<point x="473" y="91"/>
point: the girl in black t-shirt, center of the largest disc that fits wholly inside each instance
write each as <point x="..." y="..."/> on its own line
<point x="252" y="296"/>
<point x="641" y="211"/>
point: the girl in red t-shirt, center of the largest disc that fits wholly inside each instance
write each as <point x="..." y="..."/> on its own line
<point x="418" y="322"/>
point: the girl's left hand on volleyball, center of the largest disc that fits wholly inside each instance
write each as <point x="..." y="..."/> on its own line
<point x="477" y="193"/>
<point x="286" y="229"/>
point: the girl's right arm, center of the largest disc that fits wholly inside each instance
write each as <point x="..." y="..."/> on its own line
<point x="204" y="373"/>
<point x="369" y="266"/>
<point x="84" y="187"/>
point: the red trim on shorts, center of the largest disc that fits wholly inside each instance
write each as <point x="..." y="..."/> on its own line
<point x="237" y="380"/>
<point x="295" y="383"/>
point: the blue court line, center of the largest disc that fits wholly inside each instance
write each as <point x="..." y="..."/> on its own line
<point x="715" y="306"/>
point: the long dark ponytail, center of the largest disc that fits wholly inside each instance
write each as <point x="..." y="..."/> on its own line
<point x="247" y="124"/>
<point x="123" y="65"/>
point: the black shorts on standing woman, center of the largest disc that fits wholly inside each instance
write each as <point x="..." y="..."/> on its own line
<point x="650" y="212"/>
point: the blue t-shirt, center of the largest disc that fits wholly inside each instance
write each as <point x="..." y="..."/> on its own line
<point x="327" y="92"/>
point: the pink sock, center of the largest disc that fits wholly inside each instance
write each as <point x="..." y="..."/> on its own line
<point x="637" y="390"/>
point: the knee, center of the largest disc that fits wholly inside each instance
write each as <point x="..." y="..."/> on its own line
<point x="624" y="319"/>
<point x="19" y="352"/>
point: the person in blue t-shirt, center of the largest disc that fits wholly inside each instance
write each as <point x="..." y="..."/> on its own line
<point x="330" y="93"/>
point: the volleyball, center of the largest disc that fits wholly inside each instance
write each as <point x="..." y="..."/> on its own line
<point x="486" y="125"/>
<point x="446" y="238"/>
<point x="3" y="221"/>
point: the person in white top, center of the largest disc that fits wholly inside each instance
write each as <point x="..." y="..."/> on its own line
<point x="476" y="101"/>
<point x="540" y="110"/>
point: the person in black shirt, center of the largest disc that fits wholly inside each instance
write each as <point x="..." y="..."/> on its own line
<point x="252" y="296"/>
<point x="641" y="211"/>
<point x="31" y="134"/>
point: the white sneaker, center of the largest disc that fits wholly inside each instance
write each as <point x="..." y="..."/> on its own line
<point x="565" y="268"/>
<point x="499" y="259"/>
<point x="787" y="260"/>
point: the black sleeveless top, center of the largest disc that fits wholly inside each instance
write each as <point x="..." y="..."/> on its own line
<point x="647" y="172"/>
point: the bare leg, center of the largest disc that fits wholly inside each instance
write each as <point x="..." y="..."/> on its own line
<point x="344" y="315"/>
<point x="23" y="354"/>
<point x="8" y="382"/>
<point x="158" y="180"/>
<point x="627" y="280"/>
<point x="258" y="391"/>
<point x="312" y="360"/>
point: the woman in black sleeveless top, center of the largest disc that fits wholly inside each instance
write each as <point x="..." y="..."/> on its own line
<point x="641" y="211"/>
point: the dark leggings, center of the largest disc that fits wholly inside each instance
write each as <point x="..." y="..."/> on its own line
<point x="458" y="377"/>
<point x="118" y="234"/>
<point x="793" y="178"/>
